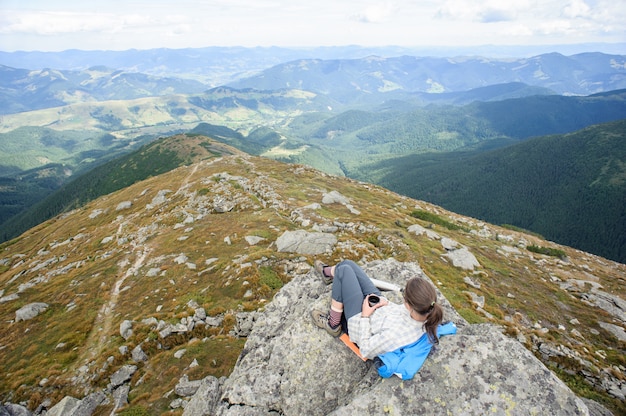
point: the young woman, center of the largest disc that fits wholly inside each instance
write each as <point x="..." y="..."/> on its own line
<point x="379" y="327"/>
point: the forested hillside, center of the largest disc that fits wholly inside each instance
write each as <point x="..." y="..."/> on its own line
<point x="151" y="160"/>
<point x="570" y="188"/>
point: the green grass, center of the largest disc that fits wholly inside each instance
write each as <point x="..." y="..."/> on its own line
<point x="435" y="219"/>
<point x="554" y="252"/>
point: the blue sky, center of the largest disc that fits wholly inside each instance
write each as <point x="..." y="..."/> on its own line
<point x="54" y="25"/>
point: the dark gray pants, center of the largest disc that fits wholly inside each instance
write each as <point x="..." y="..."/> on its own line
<point x="350" y="286"/>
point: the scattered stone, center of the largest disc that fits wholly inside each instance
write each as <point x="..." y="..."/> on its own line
<point x="203" y="403"/>
<point x="186" y="388"/>
<point x="123" y="205"/>
<point x="334" y="197"/>
<point x="617" y="331"/>
<point x="122" y="375"/>
<point x="449" y="244"/>
<point x="253" y="240"/>
<point x="214" y="321"/>
<point x="159" y="199"/>
<point x="471" y="282"/>
<point x="88" y="405"/>
<point x="462" y="258"/>
<point x="419" y="230"/>
<point x="181" y="259"/>
<point x="126" y="329"/>
<point x="8" y="298"/>
<point x="120" y="396"/>
<point x="95" y="213"/>
<point x="65" y="407"/>
<point x="479" y="301"/>
<point x="30" y="311"/>
<point x="138" y="355"/>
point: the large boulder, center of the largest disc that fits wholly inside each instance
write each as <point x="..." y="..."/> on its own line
<point x="304" y="242"/>
<point x="289" y="366"/>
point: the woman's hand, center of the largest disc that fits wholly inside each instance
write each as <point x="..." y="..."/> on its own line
<point x="367" y="310"/>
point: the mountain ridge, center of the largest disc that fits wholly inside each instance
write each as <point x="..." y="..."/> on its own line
<point x="208" y="234"/>
<point x="574" y="75"/>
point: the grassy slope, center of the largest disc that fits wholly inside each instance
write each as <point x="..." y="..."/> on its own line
<point x="152" y="159"/>
<point x="82" y="270"/>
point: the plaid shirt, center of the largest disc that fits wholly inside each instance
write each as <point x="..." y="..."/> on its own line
<point x="389" y="328"/>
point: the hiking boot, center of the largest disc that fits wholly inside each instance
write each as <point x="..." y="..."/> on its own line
<point x="320" y="319"/>
<point x="319" y="268"/>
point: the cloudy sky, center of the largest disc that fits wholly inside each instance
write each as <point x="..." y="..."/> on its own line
<point x="54" y="25"/>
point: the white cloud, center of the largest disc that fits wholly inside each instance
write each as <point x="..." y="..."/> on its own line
<point x="375" y="13"/>
<point x="576" y="8"/>
<point x="142" y="24"/>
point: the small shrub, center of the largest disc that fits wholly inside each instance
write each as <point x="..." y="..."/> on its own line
<point x="135" y="411"/>
<point x="521" y="230"/>
<point x="547" y="251"/>
<point x="270" y="278"/>
<point x="435" y="219"/>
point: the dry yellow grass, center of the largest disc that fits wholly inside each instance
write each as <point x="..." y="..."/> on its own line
<point x="98" y="270"/>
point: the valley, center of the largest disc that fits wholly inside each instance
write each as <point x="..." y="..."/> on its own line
<point x="338" y="115"/>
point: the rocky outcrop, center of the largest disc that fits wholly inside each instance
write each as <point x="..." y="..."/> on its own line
<point x="290" y="367"/>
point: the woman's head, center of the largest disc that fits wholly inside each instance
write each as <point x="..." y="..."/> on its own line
<point x="421" y="297"/>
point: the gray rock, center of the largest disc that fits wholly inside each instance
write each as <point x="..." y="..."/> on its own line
<point x="88" y="405"/>
<point x="159" y="199"/>
<point x="120" y="396"/>
<point x="122" y="375"/>
<point x="123" y="205"/>
<point x="462" y="258"/>
<point x="477" y="371"/>
<point x="617" y="331"/>
<point x="214" y="320"/>
<point x="334" y="197"/>
<point x="126" y="329"/>
<point x="30" y="311"/>
<point x="186" y="388"/>
<point x="449" y="244"/>
<point x="245" y="323"/>
<point x="303" y="242"/>
<point x="253" y="240"/>
<point x="419" y="230"/>
<point x="14" y="410"/>
<point x="203" y="402"/>
<point x="199" y="314"/>
<point x="612" y="304"/>
<point x="138" y="355"/>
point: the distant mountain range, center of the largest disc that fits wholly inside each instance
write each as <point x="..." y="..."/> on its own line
<point x="26" y="90"/>
<point x="580" y="74"/>
<point x="360" y="117"/>
<point x="371" y="80"/>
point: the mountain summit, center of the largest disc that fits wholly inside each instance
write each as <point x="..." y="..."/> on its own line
<point x="141" y="301"/>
